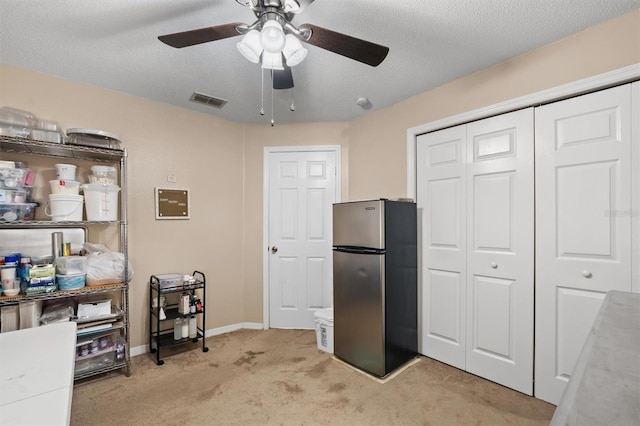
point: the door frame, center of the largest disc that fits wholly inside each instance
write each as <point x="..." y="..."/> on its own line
<point x="268" y="150"/>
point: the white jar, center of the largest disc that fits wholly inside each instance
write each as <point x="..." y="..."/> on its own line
<point x="185" y="328"/>
<point x="177" y="329"/>
<point x="193" y="332"/>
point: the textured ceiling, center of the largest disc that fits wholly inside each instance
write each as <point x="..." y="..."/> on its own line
<point x="113" y="44"/>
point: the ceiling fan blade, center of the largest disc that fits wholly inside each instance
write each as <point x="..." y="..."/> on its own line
<point x="282" y="79"/>
<point x="351" y="47"/>
<point x="202" y="35"/>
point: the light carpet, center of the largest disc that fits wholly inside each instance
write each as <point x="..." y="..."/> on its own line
<point x="280" y="377"/>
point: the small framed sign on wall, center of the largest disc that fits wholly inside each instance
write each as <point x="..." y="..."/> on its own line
<point x="172" y="203"/>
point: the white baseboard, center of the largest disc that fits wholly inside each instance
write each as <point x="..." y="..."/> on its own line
<point x="144" y="349"/>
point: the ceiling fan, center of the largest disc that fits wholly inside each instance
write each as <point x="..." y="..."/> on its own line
<point x="273" y="36"/>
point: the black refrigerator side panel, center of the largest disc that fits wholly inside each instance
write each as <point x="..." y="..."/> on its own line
<point x="401" y="283"/>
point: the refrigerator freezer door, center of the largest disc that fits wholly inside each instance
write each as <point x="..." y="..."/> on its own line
<point x="359" y="224"/>
<point x="358" y="310"/>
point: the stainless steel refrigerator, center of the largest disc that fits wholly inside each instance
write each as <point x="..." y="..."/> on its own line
<point x="375" y="288"/>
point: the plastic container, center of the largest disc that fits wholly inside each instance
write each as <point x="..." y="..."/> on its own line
<point x="17" y="117"/>
<point x="105" y="175"/>
<point x="101" y="201"/>
<point x="177" y="329"/>
<point x="193" y="327"/>
<point x="93" y="137"/>
<point x="11" y="212"/>
<point x="68" y="265"/>
<point x="65" y="207"/>
<point x="324" y="329"/>
<point x="66" y="171"/>
<point x="13" y="178"/>
<point x="61" y="186"/>
<point x="71" y="281"/>
<point x="169" y="281"/>
<point x="14" y="195"/>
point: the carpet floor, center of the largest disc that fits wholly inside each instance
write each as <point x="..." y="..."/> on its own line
<point x="280" y="377"/>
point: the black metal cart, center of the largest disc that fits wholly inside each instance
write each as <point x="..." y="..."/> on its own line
<point x="160" y="334"/>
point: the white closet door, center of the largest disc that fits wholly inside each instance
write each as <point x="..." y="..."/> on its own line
<point x="500" y="250"/>
<point x="441" y="202"/>
<point x="583" y="224"/>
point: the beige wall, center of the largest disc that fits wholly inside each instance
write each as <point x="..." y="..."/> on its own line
<point x="378" y="141"/>
<point x="221" y="162"/>
<point x="204" y="153"/>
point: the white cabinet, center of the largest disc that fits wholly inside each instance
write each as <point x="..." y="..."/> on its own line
<point x="475" y="195"/>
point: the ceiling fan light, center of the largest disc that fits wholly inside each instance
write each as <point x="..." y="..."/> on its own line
<point x="272" y="36"/>
<point x="293" y="51"/>
<point x="272" y="61"/>
<point x="250" y="46"/>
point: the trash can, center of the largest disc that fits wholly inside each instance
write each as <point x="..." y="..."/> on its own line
<point x="324" y="329"/>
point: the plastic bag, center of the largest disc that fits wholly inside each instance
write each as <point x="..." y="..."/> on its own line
<point x="58" y="311"/>
<point x="105" y="266"/>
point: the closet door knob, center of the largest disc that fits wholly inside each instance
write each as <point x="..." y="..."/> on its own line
<point x="587" y="274"/>
<point x="494" y="265"/>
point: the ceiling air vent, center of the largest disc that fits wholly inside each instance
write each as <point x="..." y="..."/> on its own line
<point x="207" y="100"/>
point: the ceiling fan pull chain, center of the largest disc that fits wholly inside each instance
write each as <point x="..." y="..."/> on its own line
<point x="262" y="93"/>
<point x="272" y="122"/>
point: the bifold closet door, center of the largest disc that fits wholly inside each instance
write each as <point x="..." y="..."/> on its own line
<point x="441" y="202"/>
<point x="583" y="224"/>
<point x="500" y="250"/>
<point x="475" y="200"/>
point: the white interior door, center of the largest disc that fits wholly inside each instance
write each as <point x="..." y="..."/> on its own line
<point x="441" y="203"/>
<point x="302" y="189"/>
<point x="583" y="224"/>
<point x="500" y="237"/>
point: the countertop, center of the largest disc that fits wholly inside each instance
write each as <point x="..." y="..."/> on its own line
<point x="36" y="375"/>
<point x="604" y="388"/>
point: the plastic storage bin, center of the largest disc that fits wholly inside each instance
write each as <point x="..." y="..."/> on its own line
<point x="101" y="201"/>
<point x="66" y="265"/>
<point x="14" y="195"/>
<point x="71" y="281"/>
<point x="93" y="137"/>
<point x="324" y="329"/>
<point x="11" y="212"/>
<point x="14" y="178"/>
<point x="105" y="175"/>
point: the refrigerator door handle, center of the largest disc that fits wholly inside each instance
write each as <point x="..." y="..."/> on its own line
<point x="359" y="250"/>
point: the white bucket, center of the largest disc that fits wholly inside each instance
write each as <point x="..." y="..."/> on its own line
<point x="101" y="201"/>
<point x="324" y="329"/>
<point x="64" y="207"/>
<point x="66" y="171"/>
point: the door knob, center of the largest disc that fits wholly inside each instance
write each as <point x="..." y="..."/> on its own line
<point x="494" y="265"/>
<point x="587" y="274"/>
<point x="274" y="249"/>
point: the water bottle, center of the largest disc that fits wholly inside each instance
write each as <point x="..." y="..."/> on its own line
<point x="193" y="331"/>
<point x="177" y="329"/>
